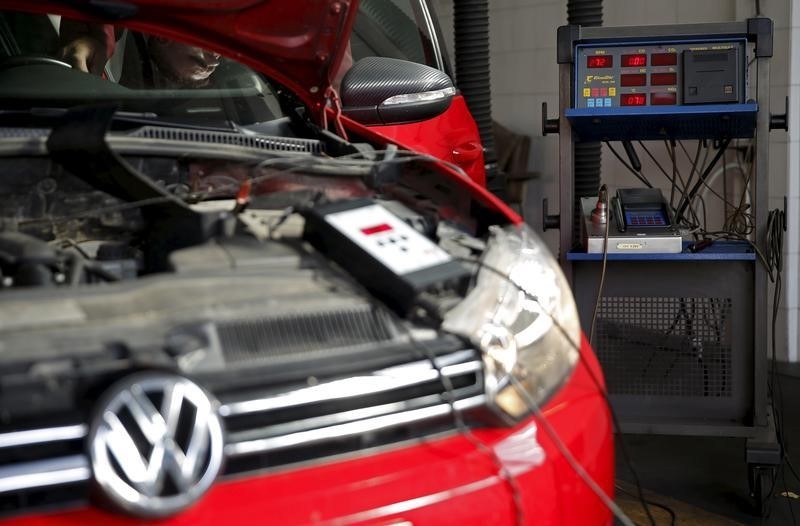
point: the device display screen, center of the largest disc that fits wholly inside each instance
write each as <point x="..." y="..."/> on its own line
<point x="645" y="218"/>
<point x="600" y="61"/>
<point x="634" y="61"/>
<point x="664" y="59"/>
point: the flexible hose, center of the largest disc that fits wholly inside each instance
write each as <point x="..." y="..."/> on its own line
<point x="471" y="24"/>
<point x="587" y="155"/>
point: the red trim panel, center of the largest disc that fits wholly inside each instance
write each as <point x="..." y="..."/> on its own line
<point x="444" y="136"/>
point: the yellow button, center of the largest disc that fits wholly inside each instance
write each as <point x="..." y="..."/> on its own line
<point x="587" y="92"/>
<point x="612" y="92"/>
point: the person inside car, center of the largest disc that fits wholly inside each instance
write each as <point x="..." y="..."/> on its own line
<point x="154" y="62"/>
<point x="148" y="62"/>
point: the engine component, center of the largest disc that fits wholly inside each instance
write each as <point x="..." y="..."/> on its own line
<point x="25" y="260"/>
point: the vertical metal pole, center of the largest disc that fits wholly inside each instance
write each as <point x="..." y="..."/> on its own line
<point x="565" y="168"/>
<point x="761" y="190"/>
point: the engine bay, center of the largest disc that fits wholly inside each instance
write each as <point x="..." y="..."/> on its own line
<point x="58" y="231"/>
<point x="93" y="282"/>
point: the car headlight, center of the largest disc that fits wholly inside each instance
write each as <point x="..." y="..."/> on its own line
<point x="522" y="316"/>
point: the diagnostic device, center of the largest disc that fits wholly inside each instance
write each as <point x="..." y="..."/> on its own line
<point x="384" y="253"/>
<point x="640" y="223"/>
<point x="631" y="85"/>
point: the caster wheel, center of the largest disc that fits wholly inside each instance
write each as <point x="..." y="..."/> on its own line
<point x="762" y="483"/>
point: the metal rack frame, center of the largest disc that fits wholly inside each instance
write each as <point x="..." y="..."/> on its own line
<point x="762" y="445"/>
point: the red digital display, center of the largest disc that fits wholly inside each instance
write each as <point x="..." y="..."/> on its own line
<point x="663" y="99"/>
<point x="376" y="229"/>
<point x="633" y="79"/>
<point x="663" y="59"/>
<point x="664" y="79"/>
<point x="600" y="61"/>
<point x="634" y="61"/>
<point x="632" y="99"/>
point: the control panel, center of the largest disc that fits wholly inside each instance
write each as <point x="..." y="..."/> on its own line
<point x="628" y="85"/>
<point x="660" y="74"/>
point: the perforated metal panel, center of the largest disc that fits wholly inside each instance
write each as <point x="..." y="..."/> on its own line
<point x="666" y="346"/>
<point x="675" y="340"/>
<point x="265" y="338"/>
<point x="269" y="144"/>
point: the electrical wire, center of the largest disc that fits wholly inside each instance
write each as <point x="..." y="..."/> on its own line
<point x="630" y="168"/>
<point x="693" y="192"/>
<point x="671" y="179"/>
<point x="595" y="380"/>
<point x="693" y="163"/>
<point x="121" y="207"/>
<point x="603" y="192"/>
<point x="565" y="452"/>
<point x="671" y="152"/>
<point x="677" y="177"/>
<point x="776" y="226"/>
<point x="598" y="384"/>
<point x="672" y="516"/>
<point x="466" y="432"/>
<point x="356" y="167"/>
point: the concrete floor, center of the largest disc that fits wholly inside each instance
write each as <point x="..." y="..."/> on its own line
<point x="704" y="480"/>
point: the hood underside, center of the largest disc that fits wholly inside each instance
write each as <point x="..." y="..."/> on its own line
<point x="299" y="43"/>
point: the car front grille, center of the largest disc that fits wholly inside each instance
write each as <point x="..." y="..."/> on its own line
<point x="358" y="412"/>
<point x="42" y="467"/>
<point x="268" y="428"/>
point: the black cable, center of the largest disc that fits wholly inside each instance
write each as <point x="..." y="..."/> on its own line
<point x="466" y="432"/>
<point x="677" y="177"/>
<point x="786" y="488"/>
<point x="776" y="224"/>
<point x="603" y="192"/>
<point x="671" y="179"/>
<point x="716" y="194"/>
<point x="717" y="235"/>
<point x="131" y="205"/>
<point x="672" y="516"/>
<point x="791" y="467"/>
<point x="688" y="198"/>
<point x="595" y="380"/>
<point x="565" y="452"/>
<point x="671" y="153"/>
<point x="638" y="175"/>
<point x="693" y="164"/>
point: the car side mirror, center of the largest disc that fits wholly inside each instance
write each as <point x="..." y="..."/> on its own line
<point x="382" y="90"/>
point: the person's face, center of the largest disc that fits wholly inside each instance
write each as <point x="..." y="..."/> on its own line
<point x="183" y="64"/>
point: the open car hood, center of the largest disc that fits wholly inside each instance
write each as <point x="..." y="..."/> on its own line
<point x="299" y="43"/>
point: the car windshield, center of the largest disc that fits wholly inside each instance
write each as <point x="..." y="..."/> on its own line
<point x="52" y="61"/>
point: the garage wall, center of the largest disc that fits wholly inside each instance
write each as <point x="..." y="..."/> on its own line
<point x="792" y="302"/>
<point x="524" y="74"/>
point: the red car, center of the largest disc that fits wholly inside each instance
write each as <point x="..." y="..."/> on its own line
<point x="227" y="297"/>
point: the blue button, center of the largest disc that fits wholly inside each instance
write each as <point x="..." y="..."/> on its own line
<point x="608" y="103"/>
<point x="598" y="103"/>
<point x="590" y="103"/>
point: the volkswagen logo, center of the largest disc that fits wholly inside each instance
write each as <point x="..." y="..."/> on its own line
<point x="156" y="444"/>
